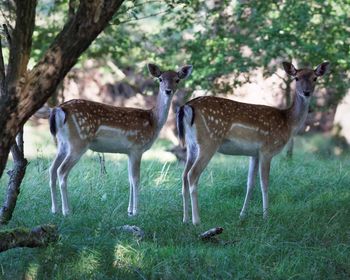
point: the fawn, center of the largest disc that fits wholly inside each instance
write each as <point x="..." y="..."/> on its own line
<point x="211" y="124"/>
<point x="79" y="125"/>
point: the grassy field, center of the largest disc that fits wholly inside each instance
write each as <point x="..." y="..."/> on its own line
<point x="306" y="237"/>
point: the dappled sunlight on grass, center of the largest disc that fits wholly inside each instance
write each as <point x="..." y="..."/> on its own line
<point x="126" y="257"/>
<point x="32" y="271"/>
<point x="88" y="262"/>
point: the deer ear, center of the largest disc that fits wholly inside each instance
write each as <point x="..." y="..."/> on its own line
<point x="322" y="69"/>
<point x="185" y="72"/>
<point x="289" y="68"/>
<point x="154" y="70"/>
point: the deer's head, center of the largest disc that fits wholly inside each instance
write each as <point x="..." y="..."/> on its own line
<point x="169" y="80"/>
<point x="305" y="78"/>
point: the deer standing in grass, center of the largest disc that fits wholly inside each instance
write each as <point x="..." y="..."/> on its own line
<point x="79" y="125"/>
<point x="212" y="124"/>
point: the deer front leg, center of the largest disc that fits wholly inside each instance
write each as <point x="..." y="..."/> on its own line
<point x="264" y="168"/>
<point x="134" y="165"/>
<point x="253" y="170"/>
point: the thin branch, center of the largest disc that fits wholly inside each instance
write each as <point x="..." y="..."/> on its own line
<point x="135" y="6"/>
<point x="16" y="152"/>
<point x="7" y="22"/>
<point x="7" y="33"/>
<point x="148" y="16"/>
<point x="102" y="164"/>
<point x="71" y="8"/>
<point x="279" y="76"/>
<point x="2" y="72"/>
<point x="20" y="142"/>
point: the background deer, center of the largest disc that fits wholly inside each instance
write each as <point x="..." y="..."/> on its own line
<point x="210" y="124"/>
<point x="79" y="125"/>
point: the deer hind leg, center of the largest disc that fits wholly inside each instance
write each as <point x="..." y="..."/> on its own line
<point x="264" y="169"/>
<point x="203" y="157"/>
<point x="134" y="165"/>
<point x="68" y="163"/>
<point x="253" y="170"/>
<point x="191" y="156"/>
<point x="61" y="154"/>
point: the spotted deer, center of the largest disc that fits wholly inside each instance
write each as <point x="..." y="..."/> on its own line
<point x="79" y="125"/>
<point x="211" y="124"/>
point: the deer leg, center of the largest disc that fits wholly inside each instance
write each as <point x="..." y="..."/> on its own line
<point x="134" y="177"/>
<point x="131" y="191"/>
<point x="264" y="169"/>
<point x="191" y="156"/>
<point x="61" y="154"/>
<point x="68" y="163"/>
<point x="253" y="170"/>
<point x="202" y="160"/>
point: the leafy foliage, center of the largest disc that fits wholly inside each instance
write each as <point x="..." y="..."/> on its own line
<point x="238" y="36"/>
<point x="219" y="37"/>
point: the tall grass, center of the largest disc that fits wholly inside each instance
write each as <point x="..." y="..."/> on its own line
<point x="306" y="237"/>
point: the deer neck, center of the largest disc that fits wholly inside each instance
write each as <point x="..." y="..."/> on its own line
<point x="297" y="113"/>
<point x="161" y="110"/>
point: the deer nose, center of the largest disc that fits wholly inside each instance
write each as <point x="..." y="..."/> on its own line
<point x="168" y="91"/>
<point x="307" y="93"/>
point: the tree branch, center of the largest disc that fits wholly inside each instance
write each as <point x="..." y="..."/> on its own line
<point x="144" y="17"/>
<point x="21" y="41"/>
<point x="15" y="181"/>
<point x="28" y="93"/>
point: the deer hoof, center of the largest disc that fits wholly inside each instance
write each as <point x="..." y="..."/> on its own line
<point x="243" y="215"/>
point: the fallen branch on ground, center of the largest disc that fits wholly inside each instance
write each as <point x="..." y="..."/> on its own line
<point x="211" y="233"/>
<point x="135" y="230"/>
<point x="21" y="237"/>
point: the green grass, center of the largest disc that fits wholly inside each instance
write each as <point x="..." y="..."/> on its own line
<point x="306" y="237"/>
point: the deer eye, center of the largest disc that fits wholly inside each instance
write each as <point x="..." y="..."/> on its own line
<point x="296" y="78"/>
<point x="177" y="81"/>
<point x="315" y="79"/>
<point x="160" y="79"/>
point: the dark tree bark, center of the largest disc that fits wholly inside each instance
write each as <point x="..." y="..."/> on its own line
<point x="16" y="177"/>
<point x="28" y="93"/>
<point x="20" y="45"/>
<point x="2" y="73"/>
<point x="37" y="237"/>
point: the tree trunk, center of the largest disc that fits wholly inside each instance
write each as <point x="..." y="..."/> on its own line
<point x="28" y="93"/>
<point x="16" y="177"/>
<point x="21" y="237"/>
